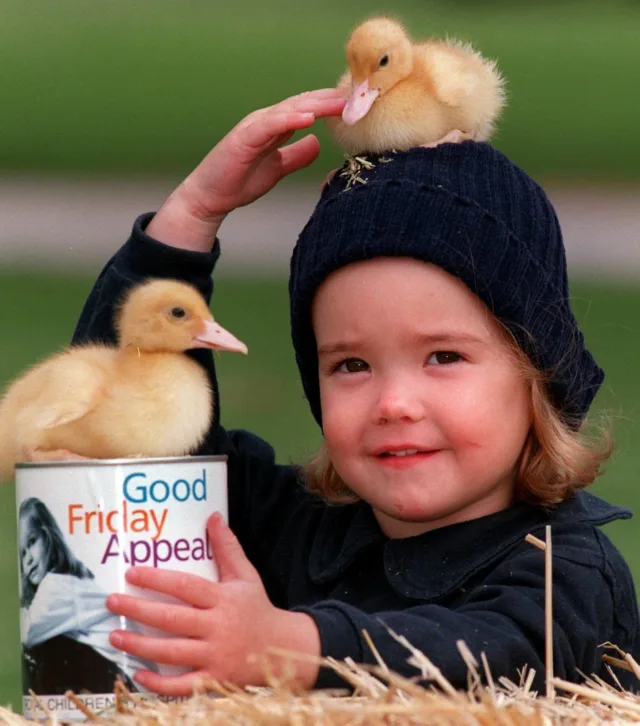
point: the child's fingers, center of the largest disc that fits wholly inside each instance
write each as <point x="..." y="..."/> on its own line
<point x="320" y="94"/>
<point x="169" y="651"/>
<point x="184" y="586"/>
<point x="307" y="101"/>
<point x="262" y="131"/>
<point x="297" y="105"/>
<point x="175" y="619"/>
<point x="233" y="564"/>
<point x="184" y="685"/>
<point x="276" y="143"/>
<point x="330" y="106"/>
<point x="281" y="119"/>
<point x="306" y="97"/>
<point x="299" y="154"/>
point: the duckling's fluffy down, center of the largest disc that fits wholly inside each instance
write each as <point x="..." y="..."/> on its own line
<point x="101" y="403"/>
<point x="426" y="89"/>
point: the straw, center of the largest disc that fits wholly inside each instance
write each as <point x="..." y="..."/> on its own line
<point x="381" y="697"/>
<point x="548" y="603"/>
<point x="386" y="698"/>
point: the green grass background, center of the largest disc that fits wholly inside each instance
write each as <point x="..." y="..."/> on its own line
<point x="261" y="392"/>
<point x="146" y="87"/>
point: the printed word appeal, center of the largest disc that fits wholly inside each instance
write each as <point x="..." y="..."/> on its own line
<point x="139" y="513"/>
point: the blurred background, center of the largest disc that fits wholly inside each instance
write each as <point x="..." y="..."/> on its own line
<point x="106" y="106"/>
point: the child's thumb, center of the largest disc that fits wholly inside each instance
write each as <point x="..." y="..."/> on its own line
<point x="230" y="558"/>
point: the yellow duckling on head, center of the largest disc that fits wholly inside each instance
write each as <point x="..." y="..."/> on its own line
<point x="403" y="94"/>
<point x="143" y="397"/>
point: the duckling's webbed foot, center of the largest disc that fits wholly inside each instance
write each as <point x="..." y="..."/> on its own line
<point x="53" y="455"/>
<point x="452" y="137"/>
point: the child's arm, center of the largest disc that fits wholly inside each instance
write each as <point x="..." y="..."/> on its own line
<point x="180" y="240"/>
<point x="248" y="162"/>
<point x="502" y="615"/>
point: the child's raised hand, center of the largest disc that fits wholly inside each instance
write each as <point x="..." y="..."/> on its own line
<point x="248" y="162"/>
<point x="220" y="627"/>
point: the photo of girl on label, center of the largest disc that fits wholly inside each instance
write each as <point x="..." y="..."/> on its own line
<point x="64" y="623"/>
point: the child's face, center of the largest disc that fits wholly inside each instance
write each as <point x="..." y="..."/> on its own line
<point x="411" y="361"/>
<point x="33" y="553"/>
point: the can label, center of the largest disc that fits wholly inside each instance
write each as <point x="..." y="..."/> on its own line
<point x="81" y="525"/>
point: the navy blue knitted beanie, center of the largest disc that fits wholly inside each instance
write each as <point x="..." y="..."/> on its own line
<point x="468" y="209"/>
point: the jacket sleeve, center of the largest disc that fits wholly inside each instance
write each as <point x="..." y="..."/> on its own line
<point x="503" y="616"/>
<point x="139" y="259"/>
<point x="252" y="471"/>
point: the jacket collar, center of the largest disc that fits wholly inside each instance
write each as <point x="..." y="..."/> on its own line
<point x="344" y="533"/>
<point x="449" y="554"/>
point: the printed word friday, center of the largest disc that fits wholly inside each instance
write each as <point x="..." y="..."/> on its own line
<point x="97" y="521"/>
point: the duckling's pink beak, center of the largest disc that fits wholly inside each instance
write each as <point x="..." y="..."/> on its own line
<point x="215" y="336"/>
<point x="359" y="102"/>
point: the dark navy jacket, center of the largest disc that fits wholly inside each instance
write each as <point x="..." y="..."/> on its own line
<point x="478" y="581"/>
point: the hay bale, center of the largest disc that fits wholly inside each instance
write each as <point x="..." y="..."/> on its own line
<point x="380" y="697"/>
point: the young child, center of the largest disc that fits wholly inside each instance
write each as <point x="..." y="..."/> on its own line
<point x="438" y="352"/>
<point x="65" y="625"/>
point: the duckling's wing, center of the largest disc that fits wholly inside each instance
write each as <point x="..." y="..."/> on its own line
<point x="58" y="413"/>
<point x="70" y="387"/>
<point x="454" y="70"/>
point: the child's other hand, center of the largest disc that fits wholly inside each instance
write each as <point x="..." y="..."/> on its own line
<point x="248" y="162"/>
<point x="221" y="626"/>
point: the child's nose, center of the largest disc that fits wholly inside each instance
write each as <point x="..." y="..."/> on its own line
<point x="399" y="401"/>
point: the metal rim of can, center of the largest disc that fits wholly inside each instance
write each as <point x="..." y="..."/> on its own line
<point x="120" y="462"/>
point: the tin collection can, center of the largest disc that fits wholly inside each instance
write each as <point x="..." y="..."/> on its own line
<point x="81" y="525"/>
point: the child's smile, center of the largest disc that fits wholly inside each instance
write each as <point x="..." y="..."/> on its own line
<point x="405" y="458"/>
<point x="425" y="410"/>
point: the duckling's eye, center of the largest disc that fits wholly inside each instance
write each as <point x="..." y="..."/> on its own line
<point x="178" y="312"/>
<point x="384" y="61"/>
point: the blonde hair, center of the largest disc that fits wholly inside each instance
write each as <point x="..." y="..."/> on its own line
<point x="557" y="458"/>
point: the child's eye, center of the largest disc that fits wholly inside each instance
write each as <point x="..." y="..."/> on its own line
<point x="352" y="365"/>
<point x="444" y="357"/>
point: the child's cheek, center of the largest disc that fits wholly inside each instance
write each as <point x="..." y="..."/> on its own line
<point x="497" y="427"/>
<point x="341" y="422"/>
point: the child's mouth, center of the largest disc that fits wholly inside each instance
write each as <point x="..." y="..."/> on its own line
<point x="405" y="452"/>
<point x="404" y="457"/>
